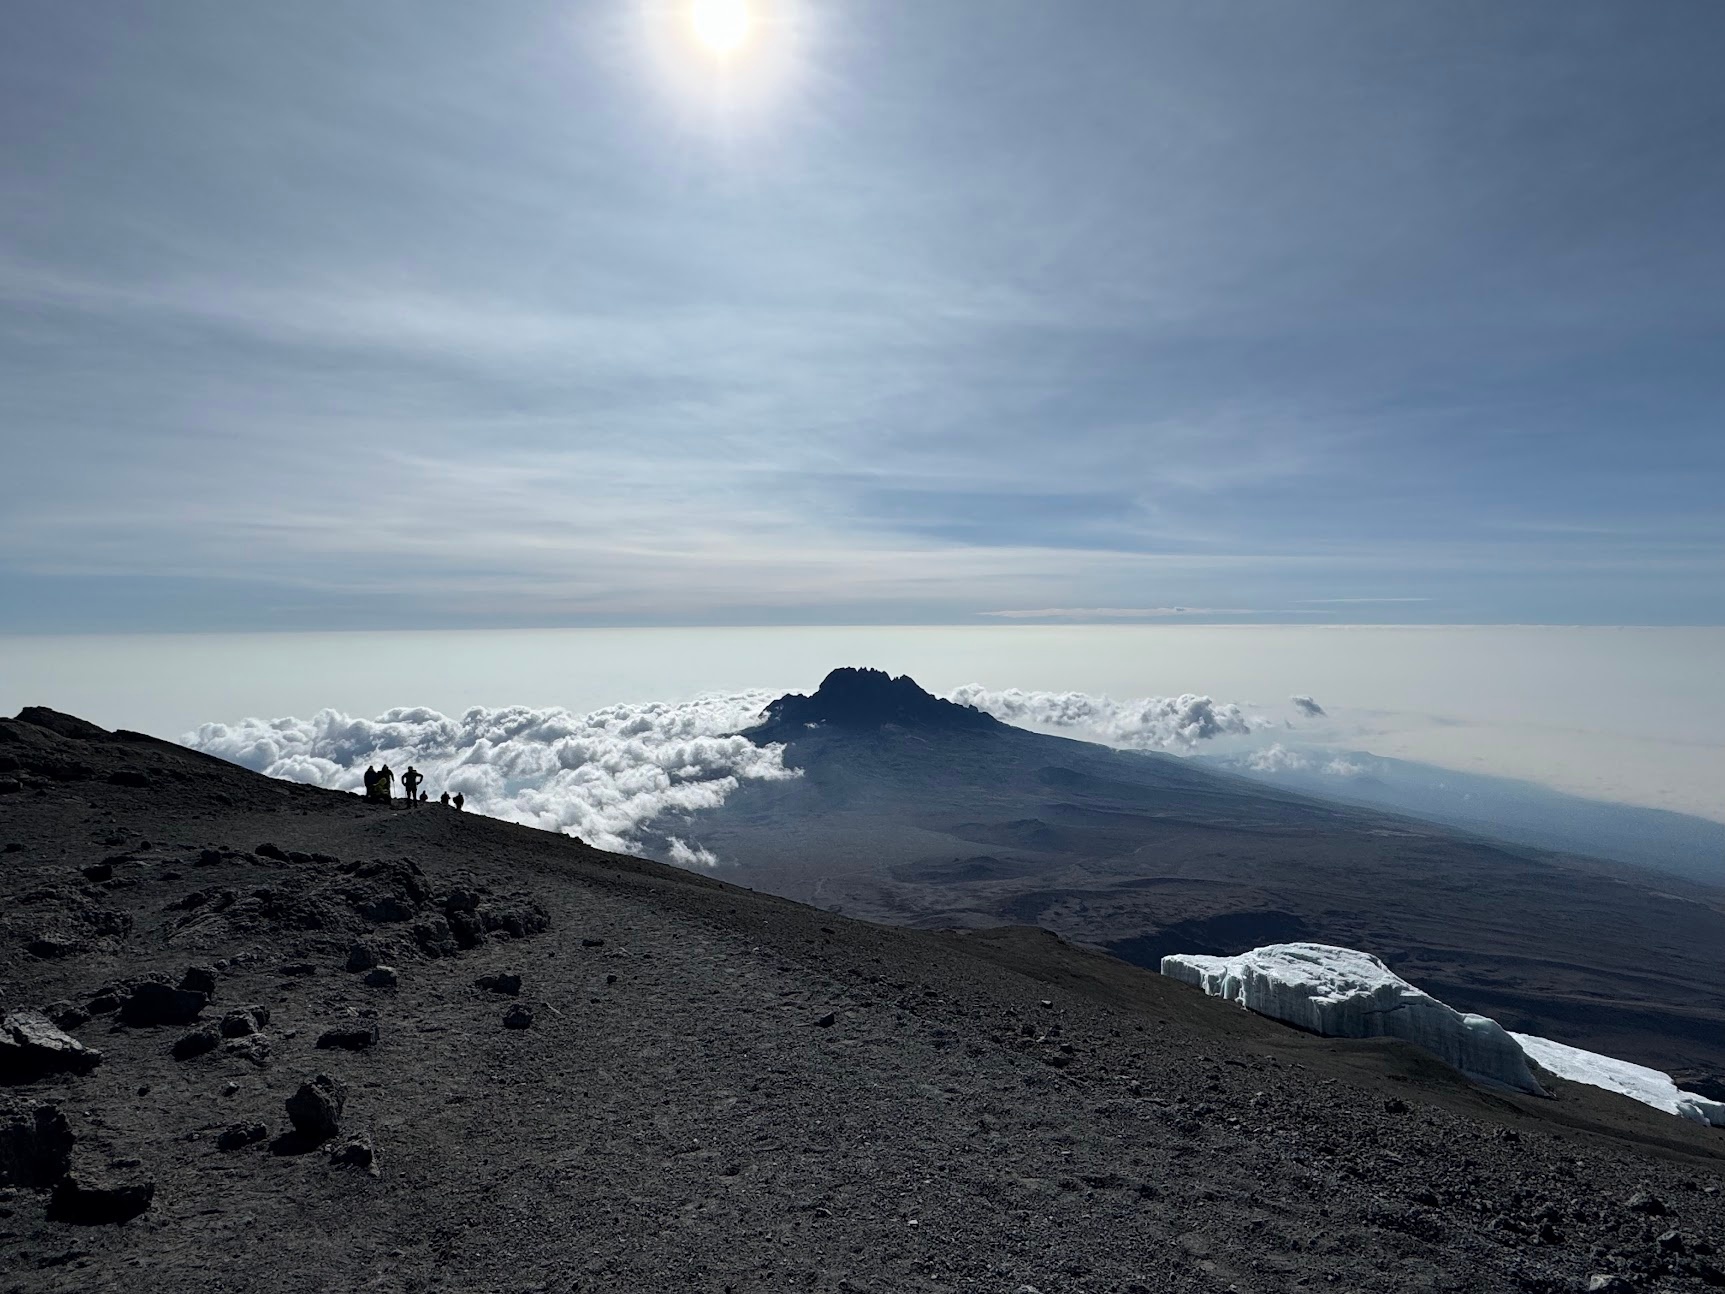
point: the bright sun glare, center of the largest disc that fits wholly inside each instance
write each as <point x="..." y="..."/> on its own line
<point x="723" y="26"/>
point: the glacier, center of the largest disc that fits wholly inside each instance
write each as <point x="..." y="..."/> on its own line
<point x="1638" y="1082"/>
<point x="1341" y="992"/>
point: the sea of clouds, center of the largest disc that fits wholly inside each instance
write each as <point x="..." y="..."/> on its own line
<point x="605" y="776"/>
<point x="601" y="776"/>
<point x="1172" y="723"/>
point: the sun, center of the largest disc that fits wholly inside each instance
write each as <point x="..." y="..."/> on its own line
<point x="722" y="26"/>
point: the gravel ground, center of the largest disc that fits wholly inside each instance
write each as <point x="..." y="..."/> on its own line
<point x="716" y="1090"/>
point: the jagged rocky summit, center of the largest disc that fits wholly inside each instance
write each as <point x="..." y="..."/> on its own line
<point x="868" y="698"/>
<point x="1343" y="993"/>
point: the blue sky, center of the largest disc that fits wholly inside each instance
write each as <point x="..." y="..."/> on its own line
<point x="441" y="314"/>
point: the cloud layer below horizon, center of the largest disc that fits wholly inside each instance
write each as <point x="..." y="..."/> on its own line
<point x="601" y="776"/>
<point x="607" y="775"/>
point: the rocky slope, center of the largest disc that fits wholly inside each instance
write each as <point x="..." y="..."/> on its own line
<point x="319" y="1070"/>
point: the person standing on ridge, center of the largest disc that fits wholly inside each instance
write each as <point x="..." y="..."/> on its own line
<point x="460" y="800"/>
<point x="385" y="783"/>
<point x="410" y="781"/>
<point x="444" y="799"/>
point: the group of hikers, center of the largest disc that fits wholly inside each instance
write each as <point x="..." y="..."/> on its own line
<point x="380" y="785"/>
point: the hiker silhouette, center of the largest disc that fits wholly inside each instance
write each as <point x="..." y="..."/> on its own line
<point x="460" y="800"/>
<point x="410" y="781"/>
<point x="444" y="799"/>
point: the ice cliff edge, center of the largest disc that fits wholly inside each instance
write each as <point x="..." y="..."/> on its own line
<point x="1340" y="992"/>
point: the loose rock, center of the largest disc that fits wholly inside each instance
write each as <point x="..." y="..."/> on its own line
<point x="381" y="977"/>
<point x="353" y="1037"/>
<point x="32" y="1046"/>
<point x="151" y="1003"/>
<point x="505" y="982"/>
<point x="237" y="1136"/>
<point x="98" y="1197"/>
<point x="518" y="1017"/>
<point x="195" y="1043"/>
<point x="354" y="1152"/>
<point x="35" y="1145"/>
<point x="245" y="1021"/>
<point x="315" y="1110"/>
<point x="200" y="979"/>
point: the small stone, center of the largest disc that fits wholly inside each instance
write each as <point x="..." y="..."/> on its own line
<point x="230" y="1087"/>
<point x="237" y="1136"/>
<point x="361" y="957"/>
<point x="1671" y="1242"/>
<point x="65" y="1015"/>
<point x="355" y="1152"/>
<point x="35" y="1145"/>
<point x="315" y="1109"/>
<point x="209" y="857"/>
<point x="381" y="977"/>
<point x="245" y="1021"/>
<point x="1395" y="1105"/>
<point x="506" y="983"/>
<point x="518" y="1017"/>
<point x="95" y="873"/>
<point x="253" y="1047"/>
<point x="592" y="943"/>
<point x="299" y="969"/>
<point x="827" y="1021"/>
<point x="195" y="1043"/>
<point x="1606" y="1283"/>
<point x="97" y="1197"/>
<point x="200" y="979"/>
<point x="353" y="1037"/>
<point x="1646" y="1202"/>
<point x="151" y="1003"/>
<point x="51" y="947"/>
<point x="274" y="851"/>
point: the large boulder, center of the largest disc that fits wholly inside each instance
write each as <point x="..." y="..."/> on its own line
<point x="1343" y="993"/>
<point x="33" y="1046"/>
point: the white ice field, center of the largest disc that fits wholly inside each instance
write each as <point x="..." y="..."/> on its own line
<point x="1344" y="993"/>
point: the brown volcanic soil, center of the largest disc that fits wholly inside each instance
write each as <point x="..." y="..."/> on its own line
<point x="984" y="1111"/>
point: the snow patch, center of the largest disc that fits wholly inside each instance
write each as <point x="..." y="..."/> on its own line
<point x="1638" y="1082"/>
<point x="1343" y="993"/>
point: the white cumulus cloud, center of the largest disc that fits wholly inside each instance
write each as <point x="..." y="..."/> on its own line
<point x="602" y="776"/>
<point x="1141" y="723"/>
<point x="1277" y="758"/>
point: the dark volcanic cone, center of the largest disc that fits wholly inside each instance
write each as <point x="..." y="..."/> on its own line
<point x="864" y="699"/>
